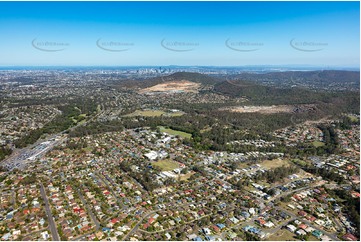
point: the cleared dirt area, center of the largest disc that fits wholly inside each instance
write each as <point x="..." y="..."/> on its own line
<point x="261" y="109"/>
<point x="185" y="177"/>
<point x="282" y="235"/>
<point x="271" y="164"/>
<point x="173" y="86"/>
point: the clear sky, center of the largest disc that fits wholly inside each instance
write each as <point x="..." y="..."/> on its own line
<point x="180" y="33"/>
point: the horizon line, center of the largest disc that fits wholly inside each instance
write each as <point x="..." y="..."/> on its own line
<point x="197" y="66"/>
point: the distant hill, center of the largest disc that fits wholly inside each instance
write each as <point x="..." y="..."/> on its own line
<point x="193" y="77"/>
<point x="178" y="76"/>
<point x="252" y="86"/>
<point x="326" y="79"/>
<point x="258" y="94"/>
<point x="264" y="94"/>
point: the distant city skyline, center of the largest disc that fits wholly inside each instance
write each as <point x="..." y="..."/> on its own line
<point x="180" y="33"/>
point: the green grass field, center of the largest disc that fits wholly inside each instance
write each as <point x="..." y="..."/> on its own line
<point x="80" y="118"/>
<point x="146" y="113"/>
<point x="176" y="114"/>
<point x="175" y="132"/>
<point x="166" y="165"/>
<point x="318" y="143"/>
<point x="153" y="113"/>
<point x="352" y="118"/>
<point x="299" y="162"/>
<point x="74" y="120"/>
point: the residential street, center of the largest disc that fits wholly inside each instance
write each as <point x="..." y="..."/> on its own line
<point x="53" y="229"/>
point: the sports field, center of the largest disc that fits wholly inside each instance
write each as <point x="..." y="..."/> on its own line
<point x="146" y="113"/>
<point x="166" y="165"/>
<point x="153" y="113"/>
<point x="175" y="132"/>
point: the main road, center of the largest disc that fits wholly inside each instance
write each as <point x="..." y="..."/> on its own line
<point x="53" y="230"/>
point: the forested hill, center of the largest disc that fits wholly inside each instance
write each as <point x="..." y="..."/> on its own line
<point x="342" y="101"/>
<point x="326" y="79"/>
<point x="193" y="77"/>
<point x="178" y="76"/>
<point x="317" y="80"/>
<point x="254" y="91"/>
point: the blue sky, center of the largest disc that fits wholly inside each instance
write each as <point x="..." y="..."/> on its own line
<point x="180" y="33"/>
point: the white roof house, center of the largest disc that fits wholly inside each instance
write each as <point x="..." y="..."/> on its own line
<point x="45" y="235"/>
<point x="269" y="224"/>
<point x="291" y="228"/>
<point x="151" y="155"/>
<point x="301" y="232"/>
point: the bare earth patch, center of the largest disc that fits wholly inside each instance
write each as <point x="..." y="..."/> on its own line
<point x="261" y="109"/>
<point x="173" y="87"/>
<point x="270" y="164"/>
<point x="185" y="177"/>
<point x="282" y="235"/>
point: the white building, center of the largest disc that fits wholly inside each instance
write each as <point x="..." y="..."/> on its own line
<point x="269" y="224"/>
<point x="301" y="232"/>
<point x="45" y="235"/>
<point x="291" y="228"/>
<point x="151" y="155"/>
